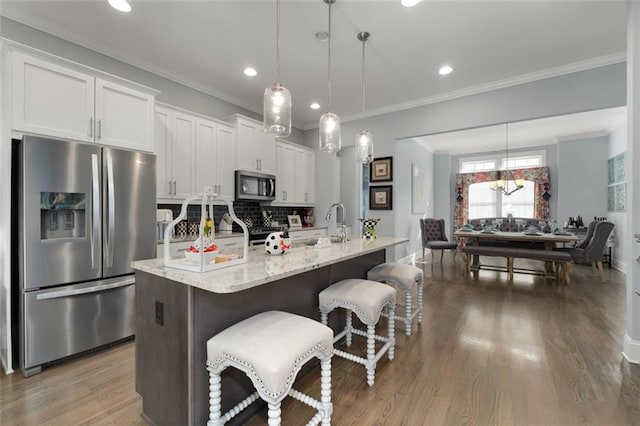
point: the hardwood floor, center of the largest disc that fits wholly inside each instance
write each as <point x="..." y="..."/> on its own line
<point x="488" y="352"/>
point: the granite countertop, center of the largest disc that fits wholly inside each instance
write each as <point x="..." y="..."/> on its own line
<point x="262" y="268"/>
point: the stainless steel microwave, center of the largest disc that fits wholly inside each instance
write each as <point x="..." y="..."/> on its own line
<point x="255" y="186"/>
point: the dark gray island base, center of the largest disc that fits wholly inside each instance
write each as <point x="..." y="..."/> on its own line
<point x="175" y="320"/>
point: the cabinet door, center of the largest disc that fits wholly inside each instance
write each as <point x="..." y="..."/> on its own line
<point x="123" y="116"/>
<point x="182" y="143"/>
<point x="245" y="155"/>
<point x="265" y="151"/>
<point x="285" y="173"/>
<point x="51" y="100"/>
<point x="310" y="177"/>
<point x="162" y="149"/>
<point x="205" y="155"/>
<point x="225" y="160"/>
<point x="305" y="176"/>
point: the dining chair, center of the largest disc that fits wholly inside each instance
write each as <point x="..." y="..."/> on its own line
<point x="435" y="238"/>
<point x="594" y="250"/>
<point x="584" y="243"/>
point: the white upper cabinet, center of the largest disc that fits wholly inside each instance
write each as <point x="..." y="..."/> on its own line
<point x="123" y="116"/>
<point x="254" y="148"/>
<point x="285" y="172"/>
<point x="305" y="176"/>
<point x="51" y="99"/>
<point x="225" y="160"/>
<point x="295" y="174"/>
<point x="174" y="149"/>
<point x="214" y="157"/>
<point x="193" y="152"/>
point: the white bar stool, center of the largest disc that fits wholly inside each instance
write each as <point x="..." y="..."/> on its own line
<point x="270" y="348"/>
<point x="404" y="277"/>
<point x="367" y="299"/>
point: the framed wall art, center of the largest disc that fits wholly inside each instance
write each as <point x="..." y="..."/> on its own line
<point x="381" y="170"/>
<point x="381" y="197"/>
<point x="418" y="189"/>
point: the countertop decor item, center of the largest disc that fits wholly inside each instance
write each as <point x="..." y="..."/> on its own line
<point x="277" y="243"/>
<point x="294" y="221"/>
<point x="369" y="227"/>
<point x="203" y="255"/>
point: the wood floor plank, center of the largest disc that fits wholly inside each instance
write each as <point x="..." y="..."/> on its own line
<point x="489" y="352"/>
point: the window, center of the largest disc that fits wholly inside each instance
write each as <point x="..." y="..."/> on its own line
<point x="485" y="202"/>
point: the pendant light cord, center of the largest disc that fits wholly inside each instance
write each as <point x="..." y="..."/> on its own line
<point x="329" y="58"/>
<point x="507" y="150"/>
<point x="277" y="41"/>
<point x="363" y="83"/>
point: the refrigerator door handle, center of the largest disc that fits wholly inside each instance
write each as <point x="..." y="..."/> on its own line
<point x="111" y="213"/>
<point x="86" y="290"/>
<point x="95" y="219"/>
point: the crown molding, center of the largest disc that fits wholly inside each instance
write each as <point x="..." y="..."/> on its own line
<point x="585" y="65"/>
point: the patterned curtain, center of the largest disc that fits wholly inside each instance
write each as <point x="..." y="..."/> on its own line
<point x="539" y="175"/>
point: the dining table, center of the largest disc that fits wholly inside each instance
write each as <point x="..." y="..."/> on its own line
<point x="548" y="240"/>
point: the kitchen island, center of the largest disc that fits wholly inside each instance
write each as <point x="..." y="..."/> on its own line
<point x="178" y="311"/>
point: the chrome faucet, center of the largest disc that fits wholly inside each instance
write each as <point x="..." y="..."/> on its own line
<point x="343" y="229"/>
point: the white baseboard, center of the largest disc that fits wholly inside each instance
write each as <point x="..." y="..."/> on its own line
<point x="631" y="350"/>
<point x="5" y="365"/>
<point x="620" y="266"/>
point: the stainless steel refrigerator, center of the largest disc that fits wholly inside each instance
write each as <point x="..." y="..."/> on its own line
<point x="85" y="212"/>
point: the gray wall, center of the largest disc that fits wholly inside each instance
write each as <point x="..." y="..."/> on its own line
<point x="603" y="87"/>
<point x="582" y="178"/>
<point x="170" y="92"/>
<point x="408" y="152"/>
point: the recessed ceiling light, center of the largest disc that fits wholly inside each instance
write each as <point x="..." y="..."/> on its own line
<point x="121" y="5"/>
<point x="250" y="72"/>
<point x="445" y="70"/>
<point x="314" y="105"/>
<point x="409" y="3"/>
<point x="322" y="36"/>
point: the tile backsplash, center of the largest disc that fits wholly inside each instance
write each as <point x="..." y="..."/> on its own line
<point x="243" y="209"/>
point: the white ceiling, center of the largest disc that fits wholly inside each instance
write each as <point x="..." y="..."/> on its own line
<point x="207" y="44"/>
<point x="544" y="131"/>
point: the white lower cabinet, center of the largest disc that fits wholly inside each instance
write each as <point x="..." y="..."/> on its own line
<point x="295" y="174"/>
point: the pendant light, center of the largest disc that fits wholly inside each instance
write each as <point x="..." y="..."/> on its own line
<point x="505" y="183"/>
<point x="330" y="140"/>
<point x="276" y="109"/>
<point x="364" y="138"/>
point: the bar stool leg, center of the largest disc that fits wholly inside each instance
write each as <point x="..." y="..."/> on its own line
<point x="407" y="313"/>
<point x="392" y="331"/>
<point x="371" y="353"/>
<point x="274" y="414"/>
<point x="215" y="399"/>
<point x="325" y="390"/>
<point x="349" y="327"/>
<point x="420" y="304"/>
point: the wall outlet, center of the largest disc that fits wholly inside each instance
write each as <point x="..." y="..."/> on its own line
<point x="159" y="313"/>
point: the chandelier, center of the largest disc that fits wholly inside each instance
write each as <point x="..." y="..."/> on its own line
<point x="505" y="183"/>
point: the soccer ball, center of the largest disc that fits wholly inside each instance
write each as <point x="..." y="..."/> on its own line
<point x="277" y="243"/>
